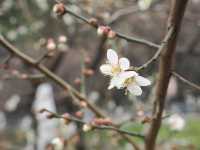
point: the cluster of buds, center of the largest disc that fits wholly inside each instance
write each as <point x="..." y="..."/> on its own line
<point x="102" y="121"/>
<point x="52" y="45"/>
<point x="13" y="72"/>
<point x="59" y="9"/>
<point x="106" y="31"/>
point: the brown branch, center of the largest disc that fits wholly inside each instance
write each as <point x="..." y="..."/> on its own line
<point x="49" y="74"/>
<point x="59" y="81"/>
<point x="94" y="126"/>
<point x="165" y="66"/>
<point x="118" y="34"/>
<point x="158" y="52"/>
<point x="193" y="85"/>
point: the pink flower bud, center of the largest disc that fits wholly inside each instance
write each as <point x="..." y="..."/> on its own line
<point x="59" y="9"/>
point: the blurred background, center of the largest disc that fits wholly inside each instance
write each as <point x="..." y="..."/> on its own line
<point x="32" y="26"/>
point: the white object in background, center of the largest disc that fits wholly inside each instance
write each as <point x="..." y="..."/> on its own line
<point x="12" y="103"/>
<point x="144" y="4"/>
<point x="3" y="121"/>
<point x="58" y="143"/>
<point x="176" y="122"/>
<point x="47" y="128"/>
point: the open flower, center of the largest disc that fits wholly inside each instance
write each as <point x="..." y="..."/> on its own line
<point x="121" y="76"/>
<point x="114" y="65"/>
<point x="131" y="81"/>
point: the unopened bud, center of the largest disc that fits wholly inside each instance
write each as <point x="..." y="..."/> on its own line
<point x="77" y="81"/>
<point x="93" y="22"/>
<point x="103" y="30"/>
<point x="58" y="143"/>
<point x="83" y="104"/>
<point x="24" y="76"/>
<point x="87" y="127"/>
<point x="62" y="39"/>
<point x="59" y="9"/>
<point x="87" y="60"/>
<point x="88" y="72"/>
<point x="15" y="72"/>
<point x="111" y="34"/>
<point x="66" y="115"/>
<point x="102" y="121"/>
<point x="51" y="45"/>
<point x="79" y="114"/>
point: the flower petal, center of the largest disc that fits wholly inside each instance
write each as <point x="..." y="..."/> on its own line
<point x="112" y="57"/>
<point x="134" y="89"/>
<point x="106" y="69"/>
<point x="142" y="81"/>
<point x="117" y="82"/>
<point x="124" y="63"/>
<point x="127" y="74"/>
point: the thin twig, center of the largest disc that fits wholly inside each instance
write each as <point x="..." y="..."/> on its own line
<point x="94" y="126"/>
<point x="193" y="85"/>
<point x="49" y="74"/>
<point x="118" y="34"/>
<point x="59" y="81"/>
<point x="158" y="52"/>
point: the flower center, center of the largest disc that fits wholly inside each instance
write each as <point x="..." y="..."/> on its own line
<point x="129" y="81"/>
<point x="116" y="69"/>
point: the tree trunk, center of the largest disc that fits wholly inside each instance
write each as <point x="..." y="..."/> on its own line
<point x="165" y="66"/>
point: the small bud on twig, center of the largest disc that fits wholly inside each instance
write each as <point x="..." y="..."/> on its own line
<point x="87" y="127"/>
<point x="93" y="22"/>
<point x="88" y="60"/>
<point x="106" y="31"/>
<point x="59" y="9"/>
<point x="79" y="114"/>
<point x="51" y="45"/>
<point x="83" y="104"/>
<point x="88" y="72"/>
<point x="102" y="121"/>
<point x="77" y="81"/>
<point x="23" y="76"/>
<point x="62" y="39"/>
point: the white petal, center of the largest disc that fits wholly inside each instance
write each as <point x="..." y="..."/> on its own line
<point x="110" y="86"/>
<point x="117" y="82"/>
<point x="134" y="89"/>
<point x="112" y="57"/>
<point x="127" y="74"/>
<point x="124" y="63"/>
<point x="142" y="81"/>
<point x="106" y="69"/>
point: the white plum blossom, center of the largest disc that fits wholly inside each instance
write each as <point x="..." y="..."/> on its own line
<point x="176" y="122"/>
<point x="114" y="65"/>
<point x="121" y="76"/>
<point x="131" y="81"/>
